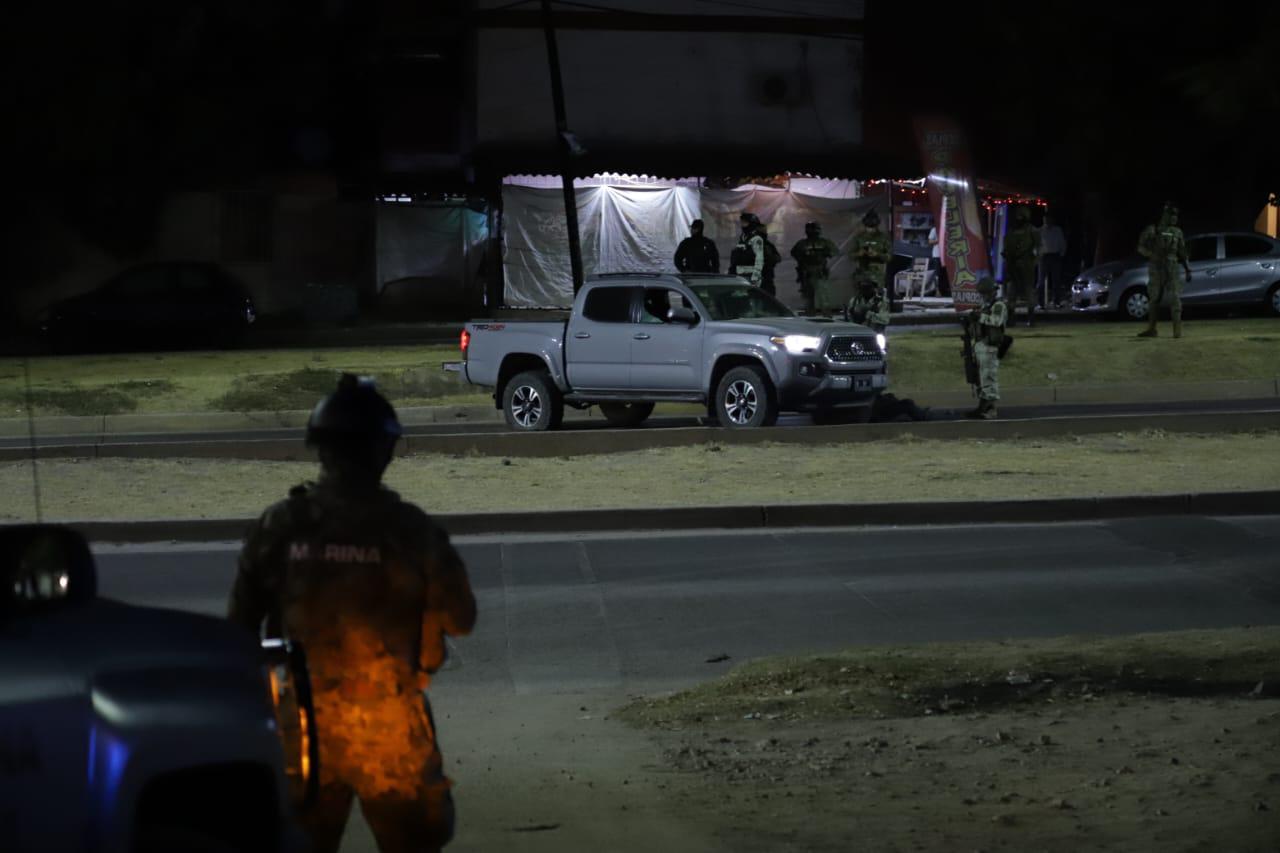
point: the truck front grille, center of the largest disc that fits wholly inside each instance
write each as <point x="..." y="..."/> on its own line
<point x="846" y="348"/>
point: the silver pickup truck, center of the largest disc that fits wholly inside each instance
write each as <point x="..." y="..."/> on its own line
<point x="636" y="339"/>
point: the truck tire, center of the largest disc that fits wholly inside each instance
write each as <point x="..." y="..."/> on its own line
<point x="626" y="414"/>
<point x="744" y="399"/>
<point x="532" y="403"/>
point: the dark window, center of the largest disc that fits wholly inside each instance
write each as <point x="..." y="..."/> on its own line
<point x="1202" y="249"/>
<point x="1241" y="246"/>
<point x="609" y="305"/>
<point x="658" y="301"/>
<point x="197" y="281"/>
<point x="144" y="283"/>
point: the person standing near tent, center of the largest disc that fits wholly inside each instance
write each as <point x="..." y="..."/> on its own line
<point x="747" y="259"/>
<point x="696" y="253"/>
<point x="1021" y="247"/>
<point x="1165" y="249"/>
<point x="771" y="260"/>
<point x="870" y="252"/>
<point x="812" y="254"/>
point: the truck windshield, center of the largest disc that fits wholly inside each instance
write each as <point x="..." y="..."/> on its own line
<point x="738" y="302"/>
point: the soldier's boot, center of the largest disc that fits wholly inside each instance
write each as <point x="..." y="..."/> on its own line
<point x="1150" y="331"/>
<point x="989" y="410"/>
<point x="1177" y="327"/>
<point x="980" y="413"/>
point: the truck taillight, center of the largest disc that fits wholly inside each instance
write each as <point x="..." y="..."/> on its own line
<point x="466" y="341"/>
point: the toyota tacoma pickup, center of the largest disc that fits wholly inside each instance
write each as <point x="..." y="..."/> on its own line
<point x="637" y="339"/>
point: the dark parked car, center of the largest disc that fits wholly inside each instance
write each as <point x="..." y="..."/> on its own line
<point x="161" y="304"/>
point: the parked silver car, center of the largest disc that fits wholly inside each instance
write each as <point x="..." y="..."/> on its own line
<point x="1227" y="268"/>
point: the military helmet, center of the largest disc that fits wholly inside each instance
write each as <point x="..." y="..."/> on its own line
<point x="986" y="285"/>
<point x="355" y="413"/>
<point x="871" y="220"/>
<point x="696" y="225"/>
<point x="749" y="219"/>
<point x="812" y="229"/>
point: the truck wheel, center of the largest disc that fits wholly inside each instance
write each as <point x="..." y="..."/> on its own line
<point x="743" y="399"/>
<point x="532" y="402"/>
<point x="626" y="414"/>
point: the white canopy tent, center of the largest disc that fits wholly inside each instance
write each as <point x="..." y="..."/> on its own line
<point x="635" y="223"/>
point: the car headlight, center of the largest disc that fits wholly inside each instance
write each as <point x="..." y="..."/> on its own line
<point x="882" y="342"/>
<point x="797" y="344"/>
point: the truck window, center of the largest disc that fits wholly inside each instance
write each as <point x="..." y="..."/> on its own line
<point x="658" y="301"/>
<point x="608" y="305"/>
<point x="738" y="302"/>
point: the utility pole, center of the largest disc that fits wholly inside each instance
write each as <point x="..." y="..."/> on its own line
<point x="566" y="145"/>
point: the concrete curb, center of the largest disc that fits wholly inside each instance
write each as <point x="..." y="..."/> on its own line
<point x="750" y="517"/>
<point x="594" y="442"/>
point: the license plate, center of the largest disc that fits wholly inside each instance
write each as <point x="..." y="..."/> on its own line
<point x="841" y="381"/>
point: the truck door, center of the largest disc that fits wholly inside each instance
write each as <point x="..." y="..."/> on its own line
<point x="597" y="348"/>
<point x="665" y="356"/>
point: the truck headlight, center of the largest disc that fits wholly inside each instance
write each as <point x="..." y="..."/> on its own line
<point x="797" y="344"/>
<point x="882" y="342"/>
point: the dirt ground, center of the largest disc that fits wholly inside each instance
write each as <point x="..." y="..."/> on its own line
<point x="902" y="469"/>
<point x="1162" y="743"/>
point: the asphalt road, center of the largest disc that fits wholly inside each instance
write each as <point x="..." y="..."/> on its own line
<point x="643" y="612"/>
<point x="570" y="626"/>
<point x="791" y="421"/>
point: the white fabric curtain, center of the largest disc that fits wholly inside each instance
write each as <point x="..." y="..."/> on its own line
<point x="630" y="229"/>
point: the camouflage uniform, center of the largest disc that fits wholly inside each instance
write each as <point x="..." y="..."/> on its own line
<point x="370" y="586"/>
<point x="1021" y="248"/>
<point x="986" y="326"/>
<point x="811" y="255"/>
<point x="871" y="251"/>
<point x="1165" y="249"/>
<point x="870" y="307"/>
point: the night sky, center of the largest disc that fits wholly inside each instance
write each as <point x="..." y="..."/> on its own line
<point x="1107" y="109"/>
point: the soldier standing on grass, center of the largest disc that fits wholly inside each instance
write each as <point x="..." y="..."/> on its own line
<point x="1021" y="247"/>
<point x="871" y="251"/>
<point x="1165" y="249"/>
<point x="370" y="587"/>
<point x="984" y="328"/>
<point x="811" y="255"/>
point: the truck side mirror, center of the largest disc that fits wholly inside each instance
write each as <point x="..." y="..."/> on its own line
<point x="680" y="314"/>
<point x="44" y="565"/>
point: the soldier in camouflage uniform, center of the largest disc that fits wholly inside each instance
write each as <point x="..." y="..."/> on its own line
<point x="985" y="328"/>
<point x="1021" y="248"/>
<point x="747" y="259"/>
<point x="871" y="251"/>
<point x="812" y="254"/>
<point x="1165" y="249"/>
<point x="869" y="306"/>
<point x="370" y="586"/>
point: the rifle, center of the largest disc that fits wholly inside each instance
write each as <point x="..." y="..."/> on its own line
<point x="971" y="374"/>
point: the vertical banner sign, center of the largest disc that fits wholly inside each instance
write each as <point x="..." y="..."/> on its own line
<point x="953" y="194"/>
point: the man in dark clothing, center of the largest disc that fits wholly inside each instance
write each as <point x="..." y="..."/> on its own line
<point x="697" y="253"/>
